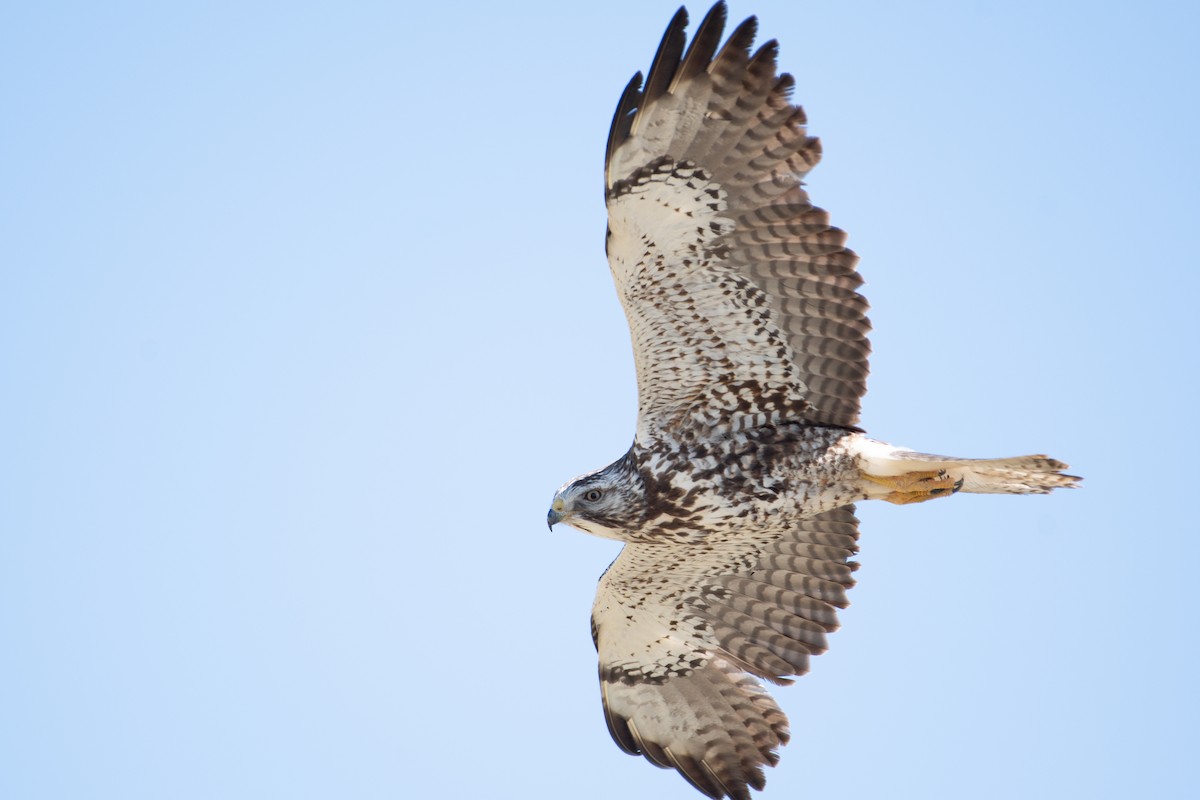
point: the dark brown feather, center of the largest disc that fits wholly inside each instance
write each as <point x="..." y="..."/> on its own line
<point x="666" y="60"/>
<point x="618" y="132"/>
<point x="704" y="45"/>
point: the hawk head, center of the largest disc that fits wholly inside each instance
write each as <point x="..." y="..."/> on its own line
<point x="609" y="502"/>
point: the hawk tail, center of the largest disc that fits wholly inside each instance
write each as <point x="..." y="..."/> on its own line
<point x="895" y="467"/>
<point x="1036" y="474"/>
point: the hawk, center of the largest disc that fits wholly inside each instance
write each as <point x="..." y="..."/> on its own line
<point x="736" y="500"/>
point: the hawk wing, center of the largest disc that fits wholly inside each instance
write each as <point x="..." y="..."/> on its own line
<point x="741" y="297"/>
<point x="677" y="627"/>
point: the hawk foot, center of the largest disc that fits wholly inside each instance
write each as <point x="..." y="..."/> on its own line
<point x="916" y="487"/>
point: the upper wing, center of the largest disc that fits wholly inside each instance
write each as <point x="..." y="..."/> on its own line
<point x="741" y="298"/>
<point x="678" y="627"/>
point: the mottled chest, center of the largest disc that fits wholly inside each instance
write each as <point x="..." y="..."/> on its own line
<point x="756" y="478"/>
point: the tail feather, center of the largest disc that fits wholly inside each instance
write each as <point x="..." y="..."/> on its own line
<point x="1036" y="474"/>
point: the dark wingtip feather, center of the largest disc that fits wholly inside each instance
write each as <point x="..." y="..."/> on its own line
<point x="655" y="754"/>
<point x="622" y="121"/>
<point x="617" y="727"/>
<point x="741" y="39"/>
<point x="704" y="45"/>
<point x="700" y="779"/>
<point x="786" y="85"/>
<point x="768" y="51"/>
<point x="666" y="60"/>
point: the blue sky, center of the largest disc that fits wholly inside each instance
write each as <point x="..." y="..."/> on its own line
<point x="304" y="316"/>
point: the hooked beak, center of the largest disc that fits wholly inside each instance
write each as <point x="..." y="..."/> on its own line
<point x="555" y="514"/>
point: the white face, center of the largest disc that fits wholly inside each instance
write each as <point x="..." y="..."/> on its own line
<point x="592" y="503"/>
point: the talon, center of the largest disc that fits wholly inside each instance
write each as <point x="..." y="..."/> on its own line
<point x="916" y="487"/>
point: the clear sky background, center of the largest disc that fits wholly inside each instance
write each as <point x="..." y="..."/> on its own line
<point x="304" y="316"/>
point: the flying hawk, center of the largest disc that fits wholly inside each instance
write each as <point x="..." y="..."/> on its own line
<point x="736" y="500"/>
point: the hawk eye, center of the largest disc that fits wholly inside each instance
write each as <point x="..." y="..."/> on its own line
<point x="593" y="495"/>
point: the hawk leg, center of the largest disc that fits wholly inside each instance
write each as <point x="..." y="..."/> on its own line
<point x="916" y="487"/>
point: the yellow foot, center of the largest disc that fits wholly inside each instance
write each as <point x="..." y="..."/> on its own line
<point x="916" y="487"/>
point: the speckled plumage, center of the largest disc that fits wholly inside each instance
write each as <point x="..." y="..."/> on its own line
<point x="736" y="499"/>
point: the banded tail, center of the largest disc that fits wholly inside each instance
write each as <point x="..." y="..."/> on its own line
<point x="906" y="476"/>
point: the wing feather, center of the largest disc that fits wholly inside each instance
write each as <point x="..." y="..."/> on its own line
<point x="713" y="241"/>
<point x="679" y="626"/>
<point x="666" y="60"/>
